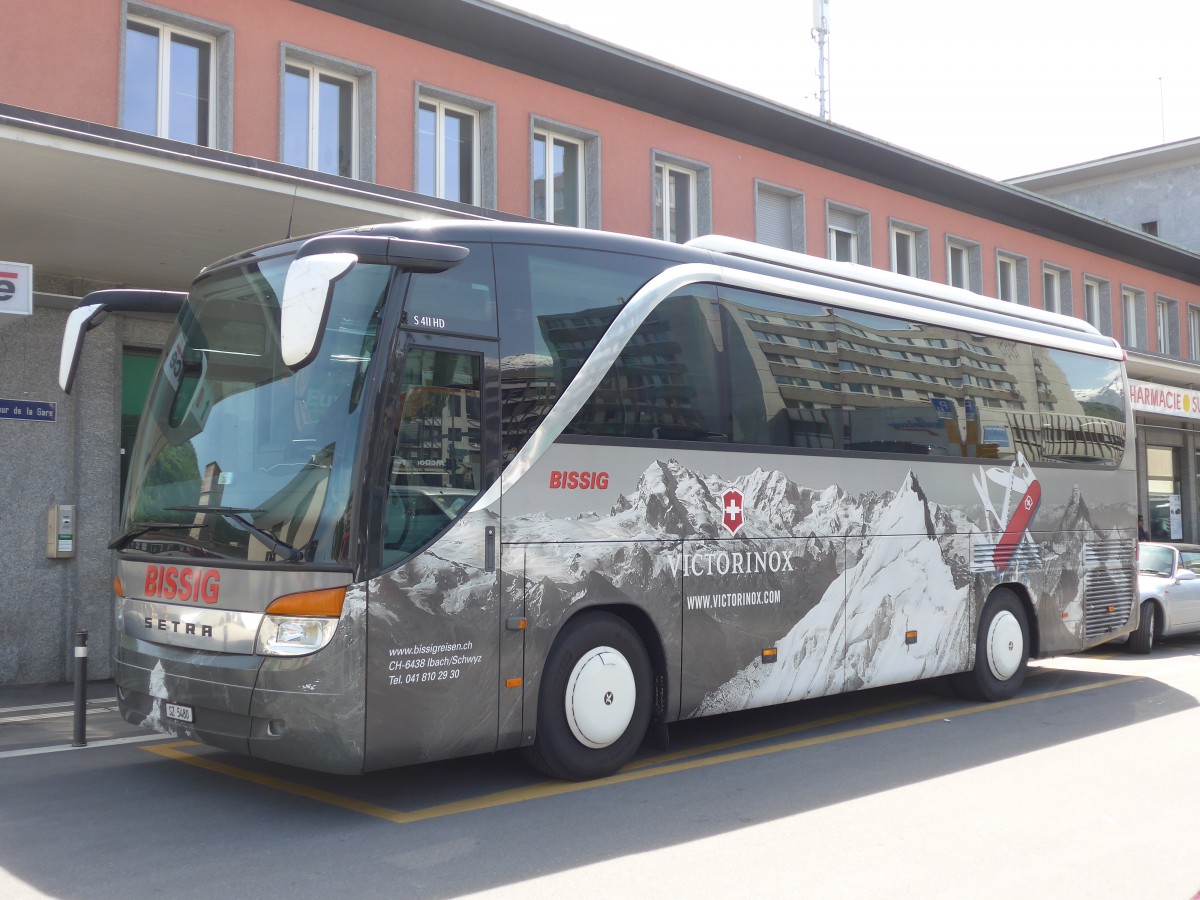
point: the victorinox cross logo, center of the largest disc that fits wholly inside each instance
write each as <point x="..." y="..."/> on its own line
<point x="731" y="503"/>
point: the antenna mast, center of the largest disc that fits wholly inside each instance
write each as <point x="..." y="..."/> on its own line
<point x="820" y="33"/>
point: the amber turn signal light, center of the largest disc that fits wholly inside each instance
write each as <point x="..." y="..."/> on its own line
<point x="327" y="602"/>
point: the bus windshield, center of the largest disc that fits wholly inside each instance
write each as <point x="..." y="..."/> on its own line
<point x="239" y="457"/>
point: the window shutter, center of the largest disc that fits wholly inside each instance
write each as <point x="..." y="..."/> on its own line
<point x="842" y="220"/>
<point x="773" y="219"/>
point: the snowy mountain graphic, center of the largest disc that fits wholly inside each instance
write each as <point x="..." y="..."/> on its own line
<point x="849" y="571"/>
<point x="851" y="590"/>
<point x="671" y="501"/>
<point x="899" y="579"/>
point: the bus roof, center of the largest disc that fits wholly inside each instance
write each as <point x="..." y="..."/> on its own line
<point x="736" y="254"/>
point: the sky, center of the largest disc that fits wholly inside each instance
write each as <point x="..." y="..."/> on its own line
<point x="1001" y="88"/>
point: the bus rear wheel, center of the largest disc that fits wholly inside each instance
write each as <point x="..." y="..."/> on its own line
<point x="594" y="703"/>
<point x="1001" y="650"/>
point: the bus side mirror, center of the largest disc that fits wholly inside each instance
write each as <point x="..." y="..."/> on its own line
<point x="307" y="292"/>
<point x="91" y="312"/>
<point x="79" y="322"/>
<point x="322" y="261"/>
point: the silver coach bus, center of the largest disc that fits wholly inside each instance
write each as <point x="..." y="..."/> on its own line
<point x="425" y="490"/>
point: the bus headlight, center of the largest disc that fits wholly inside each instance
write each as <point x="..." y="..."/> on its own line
<point x="299" y="624"/>
<point x="293" y="636"/>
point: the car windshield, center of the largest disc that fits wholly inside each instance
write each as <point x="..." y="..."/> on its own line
<point x="237" y="456"/>
<point x="1155" y="560"/>
<point x="1190" y="560"/>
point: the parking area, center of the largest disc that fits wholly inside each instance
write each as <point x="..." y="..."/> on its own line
<point x="41" y="718"/>
<point x="937" y="792"/>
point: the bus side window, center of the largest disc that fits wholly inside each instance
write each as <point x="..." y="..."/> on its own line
<point x="461" y="299"/>
<point x="780" y="366"/>
<point x="663" y="386"/>
<point x="1001" y="388"/>
<point x="901" y="385"/>
<point x="1082" y="401"/>
<point x="558" y="303"/>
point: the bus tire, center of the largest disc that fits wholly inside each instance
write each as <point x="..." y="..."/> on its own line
<point x="594" y="701"/>
<point x="1001" y="650"/>
<point x="1142" y="639"/>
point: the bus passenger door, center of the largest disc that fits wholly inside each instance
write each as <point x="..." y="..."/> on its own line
<point x="434" y="607"/>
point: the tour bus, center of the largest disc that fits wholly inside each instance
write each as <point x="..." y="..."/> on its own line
<point x="429" y="489"/>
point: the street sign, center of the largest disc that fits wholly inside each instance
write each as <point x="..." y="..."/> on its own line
<point x="29" y="410"/>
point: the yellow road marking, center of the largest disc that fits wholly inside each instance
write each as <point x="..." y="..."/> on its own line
<point x="793" y="729"/>
<point x="758" y="737"/>
<point x="636" y="772"/>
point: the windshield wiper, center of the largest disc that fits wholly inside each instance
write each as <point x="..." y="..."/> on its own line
<point x="235" y="516"/>
<point x="142" y="528"/>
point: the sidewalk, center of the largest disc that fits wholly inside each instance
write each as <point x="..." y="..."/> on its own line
<point x="43" y="716"/>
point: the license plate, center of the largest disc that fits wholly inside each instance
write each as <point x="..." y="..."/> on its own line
<point x="179" y="713"/>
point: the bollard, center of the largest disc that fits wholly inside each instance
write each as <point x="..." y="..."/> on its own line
<point x="80" y="738"/>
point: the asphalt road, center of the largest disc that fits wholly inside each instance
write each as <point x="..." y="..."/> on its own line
<point x="1087" y="785"/>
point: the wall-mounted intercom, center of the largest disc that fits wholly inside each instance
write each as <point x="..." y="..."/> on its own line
<point x="60" y="531"/>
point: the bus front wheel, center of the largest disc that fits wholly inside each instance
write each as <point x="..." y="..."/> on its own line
<point x="594" y="703"/>
<point x="1001" y="650"/>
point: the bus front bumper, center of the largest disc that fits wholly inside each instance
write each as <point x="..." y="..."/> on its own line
<point x="304" y="711"/>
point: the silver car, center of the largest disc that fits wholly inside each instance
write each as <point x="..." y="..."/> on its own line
<point x="1169" y="587"/>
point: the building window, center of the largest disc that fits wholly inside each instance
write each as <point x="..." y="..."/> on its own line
<point x="1006" y="278"/>
<point x="959" y="265"/>
<point x="1129" y="317"/>
<point x="170" y="84"/>
<point x="674" y="203"/>
<point x="778" y="217"/>
<point x="1051" y="289"/>
<point x="904" y="252"/>
<point x="682" y="199"/>
<point x="319" y="120"/>
<point x="455" y="148"/>
<point x="909" y="249"/>
<point x="1097" y="309"/>
<point x="849" y="234"/>
<point x="1012" y="278"/>
<point x="1150" y="228"/>
<point x="963" y="266"/>
<point x="1133" y="317"/>
<point x="1056" y="290"/>
<point x="571" y="156"/>
<point x="327" y="118"/>
<point x="1166" y="320"/>
<point x="843" y="244"/>
<point x="448" y="152"/>
<point x="557" y="179"/>
<point x="1194" y="332"/>
<point x="1091" y="302"/>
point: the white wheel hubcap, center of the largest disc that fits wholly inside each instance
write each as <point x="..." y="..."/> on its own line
<point x="600" y="697"/>
<point x="1005" y="645"/>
